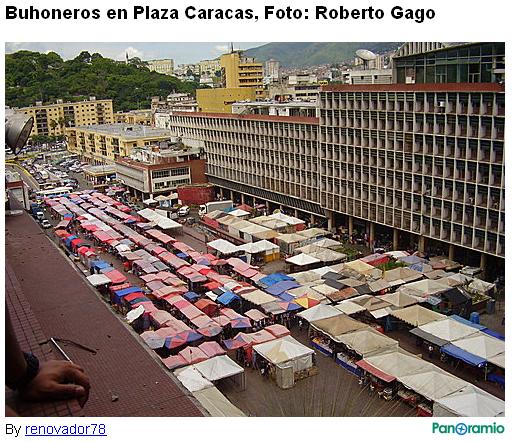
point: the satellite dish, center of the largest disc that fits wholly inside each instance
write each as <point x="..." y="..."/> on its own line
<point x="366" y="56"/>
<point x="17" y="131"/>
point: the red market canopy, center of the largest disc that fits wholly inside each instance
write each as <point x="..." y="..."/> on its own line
<point x="278" y="330"/>
<point x="207" y="306"/>
<point x="376" y="259"/>
<point x="212" y="348"/>
<point x="203" y="321"/>
<point x="116" y="277"/>
<point x="62" y="233"/>
<point x="182" y="338"/>
<point x="161" y="317"/>
<point x="211" y="331"/>
<point x="155" y="285"/>
<point x="230" y="314"/>
<point x="173" y="362"/>
<point x="193" y="355"/>
<point x="240" y="323"/>
<point x="255" y="315"/>
<point x="221" y="320"/>
<point x="375" y="371"/>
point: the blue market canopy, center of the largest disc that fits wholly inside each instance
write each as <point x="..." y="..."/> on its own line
<point x="191" y="296"/>
<point x="281" y="286"/>
<point x="492" y="333"/>
<point x="227" y="298"/>
<point x="463" y="355"/>
<point x="99" y="264"/>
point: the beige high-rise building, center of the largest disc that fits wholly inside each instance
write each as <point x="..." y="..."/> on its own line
<point x="210" y="67"/>
<point x="52" y="119"/>
<point x="164" y="66"/>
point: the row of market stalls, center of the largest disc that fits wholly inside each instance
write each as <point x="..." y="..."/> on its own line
<point x="392" y="371"/>
<point x="201" y="317"/>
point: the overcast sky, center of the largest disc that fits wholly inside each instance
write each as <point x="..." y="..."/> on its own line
<point x="180" y="52"/>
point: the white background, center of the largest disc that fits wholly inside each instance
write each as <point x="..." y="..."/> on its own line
<point x="456" y="21"/>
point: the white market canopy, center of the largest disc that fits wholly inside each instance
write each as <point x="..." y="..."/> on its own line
<point x="286" y="218"/>
<point x="98" y="279"/>
<point x="399" y="300"/>
<point x="433" y="383"/>
<point x="259" y="247"/>
<point x="424" y="288"/>
<point x="318" y="312"/>
<point x="398" y="363"/>
<point x="448" y="329"/>
<point x="349" y="307"/>
<point x="282" y="350"/>
<point x="192" y="379"/>
<point x="302" y="260"/>
<point x="219" y="367"/>
<point x="223" y="246"/>
<point x="239" y="212"/>
<point x="367" y="341"/>
<point x="416" y="315"/>
<point x="257" y="297"/>
<point x="161" y="221"/>
<point x="216" y="403"/>
<point x="327" y="243"/>
<point x="481" y="344"/>
<point x="469" y="402"/>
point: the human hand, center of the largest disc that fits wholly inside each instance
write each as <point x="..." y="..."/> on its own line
<point x="58" y="380"/>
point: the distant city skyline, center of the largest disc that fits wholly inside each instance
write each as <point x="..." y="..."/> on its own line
<point x="181" y="53"/>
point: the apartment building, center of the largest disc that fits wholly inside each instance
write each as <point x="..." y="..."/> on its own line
<point x="105" y="143"/>
<point x="155" y="170"/>
<point x="53" y="119"/>
<point x="220" y="100"/>
<point x="139" y="116"/>
<point x="268" y="158"/>
<point x="210" y="67"/>
<point x="163" y="66"/>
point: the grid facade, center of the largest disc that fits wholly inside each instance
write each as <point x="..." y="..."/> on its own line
<point x="279" y="154"/>
<point x="424" y="160"/>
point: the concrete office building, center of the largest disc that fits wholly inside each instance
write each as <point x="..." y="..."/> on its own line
<point x="105" y="143"/>
<point x="421" y="163"/>
<point x="268" y="159"/>
<point x="53" y="119"/>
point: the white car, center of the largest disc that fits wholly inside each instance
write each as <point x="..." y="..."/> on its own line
<point x="183" y="211"/>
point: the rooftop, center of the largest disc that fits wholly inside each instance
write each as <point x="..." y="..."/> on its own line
<point x="305" y="120"/>
<point x="420" y="87"/>
<point x="126" y="131"/>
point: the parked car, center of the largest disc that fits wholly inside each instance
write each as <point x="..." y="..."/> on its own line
<point x="45" y="224"/>
<point x="183" y="211"/>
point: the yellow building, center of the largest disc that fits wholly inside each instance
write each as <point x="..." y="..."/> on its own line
<point x="52" y="119"/>
<point x="143" y="116"/>
<point x="164" y="66"/>
<point x="105" y="143"/>
<point x="241" y="71"/>
<point x="220" y="100"/>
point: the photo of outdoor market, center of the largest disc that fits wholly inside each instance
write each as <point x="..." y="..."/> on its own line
<point x="387" y="334"/>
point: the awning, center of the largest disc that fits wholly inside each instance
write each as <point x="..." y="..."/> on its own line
<point x="428" y="337"/>
<point x="375" y="371"/>
<point x="463" y="355"/>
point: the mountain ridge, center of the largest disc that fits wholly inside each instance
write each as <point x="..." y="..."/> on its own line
<point x="299" y="54"/>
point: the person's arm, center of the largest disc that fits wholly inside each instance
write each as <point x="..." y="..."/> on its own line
<point x="50" y="380"/>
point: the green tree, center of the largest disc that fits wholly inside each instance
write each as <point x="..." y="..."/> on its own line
<point x="53" y="124"/>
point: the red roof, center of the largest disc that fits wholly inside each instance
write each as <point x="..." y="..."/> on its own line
<point x="116" y="277"/>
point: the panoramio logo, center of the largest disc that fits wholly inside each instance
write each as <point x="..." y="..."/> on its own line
<point x="462" y="429"/>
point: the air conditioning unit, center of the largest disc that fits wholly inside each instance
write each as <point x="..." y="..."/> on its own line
<point x="442" y="104"/>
